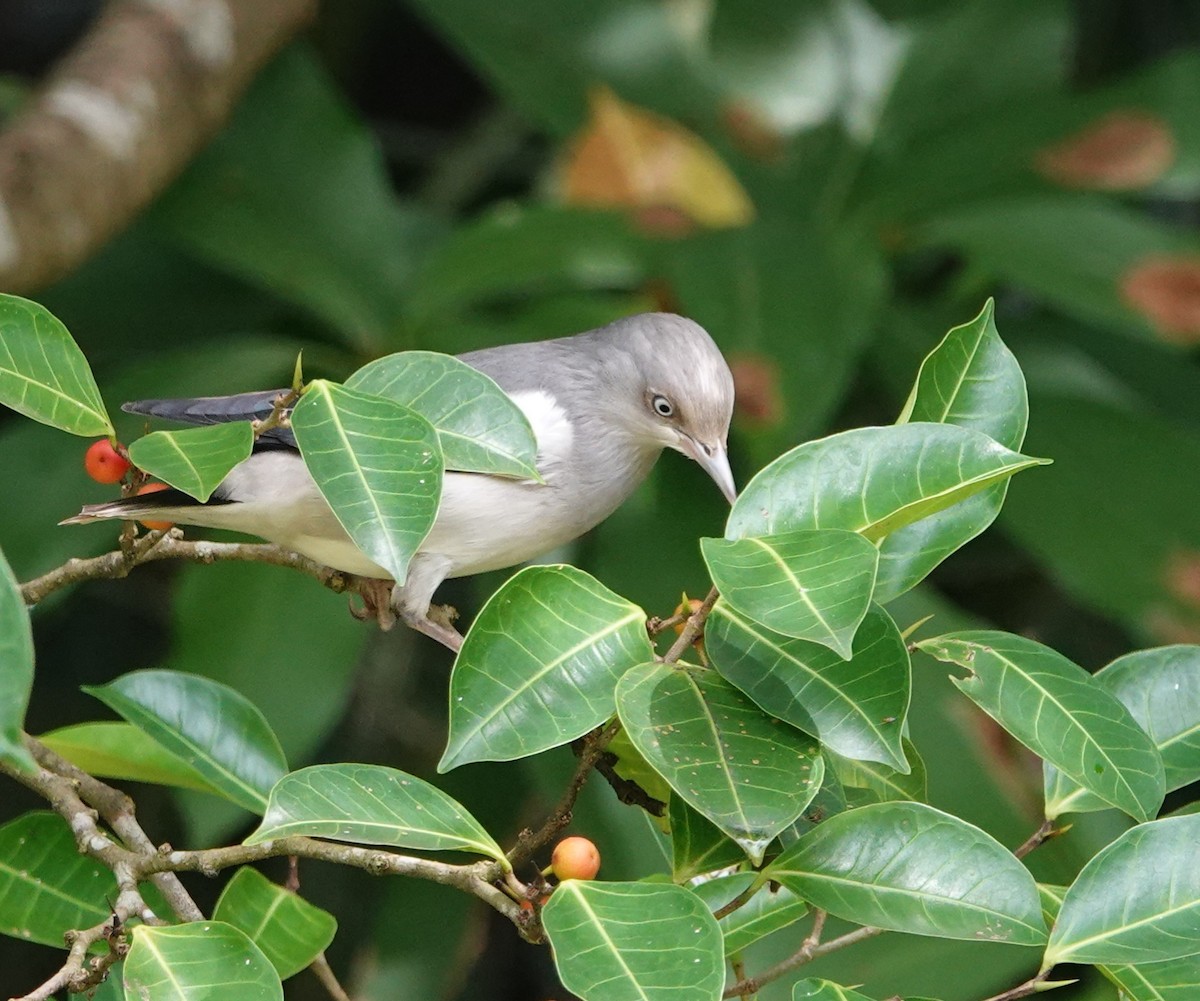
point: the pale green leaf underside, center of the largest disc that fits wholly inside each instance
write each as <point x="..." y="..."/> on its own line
<point x="378" y="465"/>
<point x="194" y="460"/>
<point x="747" y="772"/>
<point x="198" y="960"/>
<point x="911" y="868"/>
<point x="813" y="585"/>
<point x="539" y="665"/>
<point x="479" y="427"/>
<point x="289" y="930"/>
<point x="1058" y="711"/>
<point x="43" y="374"/>
<point x="371" y="805"/>
<point x="634" y="942"/>
<point x="873" y="480"/>
<point x="122" y="751"/>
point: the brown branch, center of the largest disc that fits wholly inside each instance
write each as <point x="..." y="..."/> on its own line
<point x="692" y="628"/>
<point x="119" y="118"/>
<point x="741" y="900"/>
<point x="77" y="974"/>
<point x="117" y="810"/>
<point x="590" y="752"/>
<point x="171" y="545"/>
<point x="811" y="949"/>
<point x="1038" y="838"/>
<point x="324" y="973"/>
<point x="1032" y="986"/>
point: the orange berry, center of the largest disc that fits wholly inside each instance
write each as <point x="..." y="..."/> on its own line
<point x="575" y="858"/>
<point x="155" y="526"/>
<point x="105" y="464"/>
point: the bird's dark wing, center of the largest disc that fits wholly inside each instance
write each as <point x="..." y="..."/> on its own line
<point x="220" y="410"/>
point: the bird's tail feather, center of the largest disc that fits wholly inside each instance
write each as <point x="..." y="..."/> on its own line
<point x="169" y="505"/>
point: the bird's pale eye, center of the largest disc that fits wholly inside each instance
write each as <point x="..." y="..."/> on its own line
<point x="662" y="406"/>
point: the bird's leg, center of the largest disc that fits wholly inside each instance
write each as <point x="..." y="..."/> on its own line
<point x="412" y="601"/>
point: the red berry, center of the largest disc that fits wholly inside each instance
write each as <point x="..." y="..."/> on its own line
<point x="575" y="858"/>
<point x="153" y="488"/>
<point x="105" y="464"/>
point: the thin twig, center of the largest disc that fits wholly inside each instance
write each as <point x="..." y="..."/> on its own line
<point x="77" y="974"/>
<point x="1037" y="838"/>
<point x="807" y="952"/>
<point x="593" y="747"/>
<point x="1031" y="986"/>
<point x="692" y="628"/>
<point x="741" y="899"/>
<point x="324" y="973"/>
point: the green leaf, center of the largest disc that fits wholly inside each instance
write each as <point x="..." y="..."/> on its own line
<point x="1174" y="980"/>
<point x="749" y="773"/>
<point x="195" y="460"/>
<point x="771" y="909"/>
<point x="873" y="481"/>
<point x="198" y="960"/>
<point x="1058" y="711"/>
<point x="878" y="783"/>
<point x="43" y="374"/>
<point x="289" y="930"/>
<point x="813" y="586"/>
<point x="539" y="665"/>
<point x="1171" y="980"/>
<point x="16" y="669"/>
<point x="856" y="707"/>
<point x="698" y="846"/>
<point x="46" y="886"/>
<point x="1137" y="901"/>
<point x="480" y="428"/>
<point x="969" y="380"/>
<point x="213" y="728"/>
<point x="908" y="867"/>
<point x="824" y="990"/>
<point x="1161" y="690"/>
<point x="617" y="941"/>
<point x="122" y="751"/>
<point x="378" y="465"/>
<point x="371" y="805"/>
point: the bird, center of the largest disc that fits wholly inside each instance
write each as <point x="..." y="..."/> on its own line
<point x="602" y="404"/>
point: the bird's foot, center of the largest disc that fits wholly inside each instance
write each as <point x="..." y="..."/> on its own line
<point x="377" y="602"/>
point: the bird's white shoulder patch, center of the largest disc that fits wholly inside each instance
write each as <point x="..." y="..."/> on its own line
<point x="551" y="426"/>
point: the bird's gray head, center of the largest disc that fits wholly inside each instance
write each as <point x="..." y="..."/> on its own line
<point x="668" y="386"/>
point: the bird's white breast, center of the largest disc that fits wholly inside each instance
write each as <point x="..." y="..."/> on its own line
<point x="487" y="522"/>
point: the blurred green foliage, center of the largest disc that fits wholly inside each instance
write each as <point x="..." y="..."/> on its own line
<point x="905" y="158"/>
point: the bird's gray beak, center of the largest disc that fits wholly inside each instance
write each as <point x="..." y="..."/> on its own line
<point x="714" y="461"/>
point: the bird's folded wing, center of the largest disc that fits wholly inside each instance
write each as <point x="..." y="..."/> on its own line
<point x="219" y="410"/>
